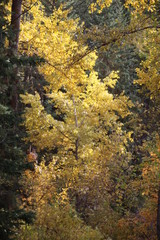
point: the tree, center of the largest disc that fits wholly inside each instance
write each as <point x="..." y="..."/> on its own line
<point x="12" y="149"/>
<point x="86" y="130"/>
<point x="56" y="218"/>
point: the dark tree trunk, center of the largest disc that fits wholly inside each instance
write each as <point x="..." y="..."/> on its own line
<point x="158" y="215"/>
<point x="15" y="24"/>
<point x="16" y="13"/>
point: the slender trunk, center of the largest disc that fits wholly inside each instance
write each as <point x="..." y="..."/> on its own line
<point x="158" y="215"/>
<point x="76" y="150"/>
<point x="15" y="24"/>
<point x="2" y="23"/>
<point x="13" y="44"/>
<point x="76" y="125"/>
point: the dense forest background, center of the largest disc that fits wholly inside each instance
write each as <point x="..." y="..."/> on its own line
<point x="79" y="129"/>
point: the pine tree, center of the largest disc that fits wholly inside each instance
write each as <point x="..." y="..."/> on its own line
<point x="12" y="149"/>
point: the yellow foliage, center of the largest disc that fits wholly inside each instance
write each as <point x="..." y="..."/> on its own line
<point x="40" y="185"/>
<point x="139" y="6"/>
<point x="99" y="5"/>
<point x="148" y="74"/>
<point x="90" y="133"/>
<point x="85" y="103"/>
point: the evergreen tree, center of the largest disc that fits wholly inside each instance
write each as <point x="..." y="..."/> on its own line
<point x="12" y="148"/>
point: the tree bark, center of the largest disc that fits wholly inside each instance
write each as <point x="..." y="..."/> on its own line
<point x="15" y="25"/>
<point x="16" y="13"/>
<point x="76" y="125"/>
<point x="158" y="215"/>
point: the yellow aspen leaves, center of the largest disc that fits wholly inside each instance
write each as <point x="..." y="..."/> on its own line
<point x="53" y="38"/>
<point x="139" y="6"/>
<point x="99" y="5"/>
<point x="148" y="73"/>
<point x="89" y="111"/>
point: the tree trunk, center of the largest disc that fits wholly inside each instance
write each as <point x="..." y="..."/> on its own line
<point x="76" y="125"/>
<point x="13" y="44"/>
<point x="158" y="215"/>
<point x="15" y="25"/>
